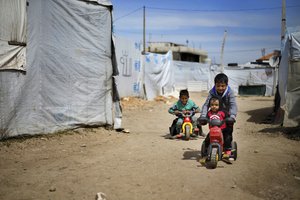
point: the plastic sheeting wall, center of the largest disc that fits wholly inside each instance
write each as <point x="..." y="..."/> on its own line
<point x="130" y="79"/>
<point x="289" y="78"/>
<point x="193" y="76"/>
<point x="188" y="74"/>
<point x="13" y="30"/>
<point x="69" y="70"/>
<point x="159" y="74"/>
<point x="247" y="77"/>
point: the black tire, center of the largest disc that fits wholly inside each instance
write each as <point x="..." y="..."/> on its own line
<point x="234" y="149"/>
<point x="172" y="128"/>
<point x="203" y="150"/>
<point x="187" y="132"/>
<point x="214" y="157"/>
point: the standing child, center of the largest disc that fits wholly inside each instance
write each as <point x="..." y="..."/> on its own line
<point x="184" y="105"/>
<point x="222" y="91"/>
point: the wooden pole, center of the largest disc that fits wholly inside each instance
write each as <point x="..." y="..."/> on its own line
<point x="144" y="31"/>
<point x="222" y="51"/>
<point x="283" y="20"/>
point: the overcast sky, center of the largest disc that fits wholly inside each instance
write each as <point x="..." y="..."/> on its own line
<point x="251" y="26"/>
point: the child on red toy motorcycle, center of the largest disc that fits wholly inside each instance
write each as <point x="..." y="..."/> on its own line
<point x="228" y="104"/>
<point x="215" y="114"/>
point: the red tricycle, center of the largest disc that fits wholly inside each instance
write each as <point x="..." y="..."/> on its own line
<point x="215" y="150"/>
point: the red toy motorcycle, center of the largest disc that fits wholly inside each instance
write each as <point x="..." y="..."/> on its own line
<point x="214" y="152"/>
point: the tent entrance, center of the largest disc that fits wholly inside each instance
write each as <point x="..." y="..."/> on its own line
<point x="257" y="90"/>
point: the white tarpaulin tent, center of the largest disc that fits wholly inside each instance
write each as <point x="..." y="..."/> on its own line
<point x="13" y="31"/>
<point x="69" y="69"/>
<point x="248" y="77"/>
<point x="159" y="75"/>
<point x="192" y="76"/>
<point x="289" y="77"/>
<point x="130" y="79"/>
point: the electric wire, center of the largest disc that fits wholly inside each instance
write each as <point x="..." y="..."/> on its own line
<point x="128" y="14"/>
<point x="202" y="10"/>
<point x="242" y="50"/>
<point x="233" y="10"/>
<point x="207" y="10"/>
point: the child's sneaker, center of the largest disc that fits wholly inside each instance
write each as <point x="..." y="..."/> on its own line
<point x="176" y="136"/>
<point x="180" y="135"/>
<point x="202" y="160"/>
<point x="227" y="154"/>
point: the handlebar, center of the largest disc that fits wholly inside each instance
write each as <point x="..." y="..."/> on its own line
<point x="188" y="113"/>
<point x="215" y="122"/>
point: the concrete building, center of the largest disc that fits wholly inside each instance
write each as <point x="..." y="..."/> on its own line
<point x="180" y="52"/>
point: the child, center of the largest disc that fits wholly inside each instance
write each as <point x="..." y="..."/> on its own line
<point x="215" y="112"/>
<point x="184" y="105"/>
<point x="222" y="91"/>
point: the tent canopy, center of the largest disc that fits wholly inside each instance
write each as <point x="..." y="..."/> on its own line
<point x="68" y="80"/>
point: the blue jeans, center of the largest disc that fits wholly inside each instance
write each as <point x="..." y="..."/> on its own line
<point x="180" y="122"/>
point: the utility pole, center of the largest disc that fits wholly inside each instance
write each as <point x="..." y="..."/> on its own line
<point x="222" y="51"/>
<point x="263" y="52"/>
<point x="283" y="30"/>
<point x="283" y="20"/>
<point x="144" y="31"/>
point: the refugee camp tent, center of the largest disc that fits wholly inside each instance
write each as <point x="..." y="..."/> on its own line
<point x="153" y="74"/>
<point x="193" y="76"/>
<point x="56" y="66"/>
<point x="289" y="77"/>
<point x="250" y="77"/>
<point x="130" y="79"/>
<point x="158" y="75"/>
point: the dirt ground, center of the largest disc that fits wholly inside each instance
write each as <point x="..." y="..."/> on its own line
<point x="144" y="164"/>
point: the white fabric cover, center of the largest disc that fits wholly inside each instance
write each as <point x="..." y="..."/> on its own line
<point x="187" y="72"/>
<point x="12" y="29"/>
<point x="244" y="77"/>
<point x="68" y="82"/>
<point x="289" y="77"/>
<point x="130" y="79"/>
<point x="159" y="74"/>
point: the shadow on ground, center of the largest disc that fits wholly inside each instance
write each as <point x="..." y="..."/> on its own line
<point x="292" y="133"/>
<point x="262" y="115"/>
<point x="191" y="154"/>
<point x="265" y="116"/>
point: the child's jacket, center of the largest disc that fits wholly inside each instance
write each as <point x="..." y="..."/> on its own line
<point x="228" y="102"/>
<point x="219" y="115"/>
<point x="190" y="105"/>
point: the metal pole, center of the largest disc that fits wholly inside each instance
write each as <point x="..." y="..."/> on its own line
<point x="222" y="51"/>
<point x="283" y="20"/>
<point x="144" y="31"/>
<point x="283" y="29"/>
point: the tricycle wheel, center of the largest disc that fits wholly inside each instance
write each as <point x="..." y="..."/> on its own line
<point x="187" y="132"/>
<point x="203" y="150"/>
<point x="214" y="157"/>
<point x="234" y="149"/>
<point x="172" y="128"/>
